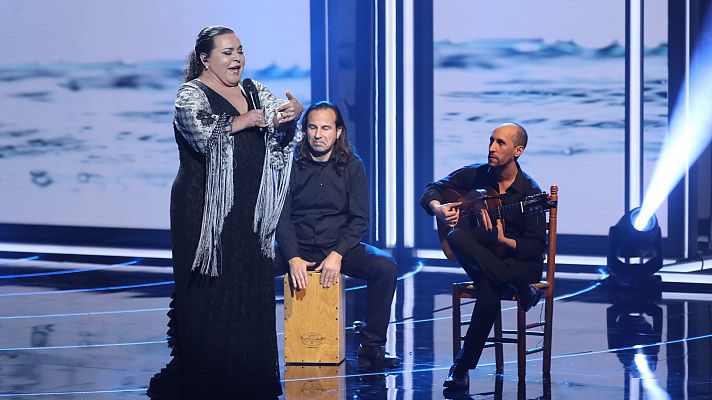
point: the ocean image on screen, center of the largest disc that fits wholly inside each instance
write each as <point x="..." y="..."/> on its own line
<point x="83" y="140"/>
<point x="562" y="76"/>
<point x="87" y="99"/>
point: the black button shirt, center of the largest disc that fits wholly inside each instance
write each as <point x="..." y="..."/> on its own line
<point x="324" y="210"/>
<point x="528" y="230"/>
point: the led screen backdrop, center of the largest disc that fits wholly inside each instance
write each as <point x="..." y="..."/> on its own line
<point x="87" y="90"/>
<point x="557" y="67"/>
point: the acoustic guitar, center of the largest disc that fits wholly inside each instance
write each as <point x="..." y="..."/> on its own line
<point x="485" y="199"/>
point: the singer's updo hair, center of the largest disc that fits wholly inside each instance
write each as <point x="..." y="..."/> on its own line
<point x="204" y="43"/>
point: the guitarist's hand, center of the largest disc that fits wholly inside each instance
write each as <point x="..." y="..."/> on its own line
<point x="448" y="213"/>
<point x="491" y="230"/>
<point x="497" y="231"/>
<point x="298" y="271"/>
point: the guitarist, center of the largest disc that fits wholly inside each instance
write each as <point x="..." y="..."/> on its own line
<point x="506" y="254"/>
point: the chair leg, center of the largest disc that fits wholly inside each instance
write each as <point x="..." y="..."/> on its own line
<point x="498" y="387"/>
<point x="549" y="320"/>
<point x="498" y="348"/>
<point x="456" y="331"/>
<point x="521" y="342"/>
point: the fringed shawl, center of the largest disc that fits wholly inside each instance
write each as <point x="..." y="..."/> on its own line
<point x="208" y="134"/>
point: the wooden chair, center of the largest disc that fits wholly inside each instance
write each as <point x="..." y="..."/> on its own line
<point x="518" y="336"/>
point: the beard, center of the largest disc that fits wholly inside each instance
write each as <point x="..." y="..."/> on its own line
<point x="319" y="153"/>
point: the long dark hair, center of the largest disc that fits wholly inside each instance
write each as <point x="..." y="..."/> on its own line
<point x="342" y="152"/>
<point x="204" y="43"/>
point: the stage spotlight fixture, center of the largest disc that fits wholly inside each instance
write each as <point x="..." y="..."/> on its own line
<point x="634" y="250"/>
<point x="642" y="224"/>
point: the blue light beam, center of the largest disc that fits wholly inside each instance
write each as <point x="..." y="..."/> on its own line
<point x="690" y="130"/>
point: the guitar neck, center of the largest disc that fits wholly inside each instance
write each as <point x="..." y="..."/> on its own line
<point x="507" y="210"/>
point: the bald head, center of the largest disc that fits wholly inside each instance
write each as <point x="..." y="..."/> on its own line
<point x="507" y="143"/>
<point x="518" y="133"/>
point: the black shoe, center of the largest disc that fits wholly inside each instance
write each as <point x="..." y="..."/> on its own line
<point x="457" y="379"/>
<point x="530" y="297"/>
<point x="376" y="356"/>
<point x="451" y="394"/>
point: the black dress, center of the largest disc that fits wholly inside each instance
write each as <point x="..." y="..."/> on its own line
<point x="222" y="330"/>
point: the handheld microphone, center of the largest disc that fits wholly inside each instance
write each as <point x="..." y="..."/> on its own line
<point x="253" y="97"/>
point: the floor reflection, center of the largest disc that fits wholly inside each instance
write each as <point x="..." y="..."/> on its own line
<point x="311" y="382"/>
<point x="610" y="342"/>
<point x="635" y="324"/>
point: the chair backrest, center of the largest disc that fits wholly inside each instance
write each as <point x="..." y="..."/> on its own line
<point x="551" y="248"/>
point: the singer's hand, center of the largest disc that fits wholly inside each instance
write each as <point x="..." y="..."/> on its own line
<point x="248" y="120"/>
<point x="288" y="111"/>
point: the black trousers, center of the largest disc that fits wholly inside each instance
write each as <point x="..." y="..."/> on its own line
<point x="494" y="275"/>
<point x="366" y="262"/>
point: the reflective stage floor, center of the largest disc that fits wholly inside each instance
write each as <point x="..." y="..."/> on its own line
<point x="97" y="331"/>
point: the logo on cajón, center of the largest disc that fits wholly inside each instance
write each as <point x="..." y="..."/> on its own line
<point x="312" y="339"/>
<point x="312" y="389"/>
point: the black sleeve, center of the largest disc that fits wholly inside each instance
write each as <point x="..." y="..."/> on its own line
<point x="359" y="211"/>
<point x="286" y="234"/>
<point x="462" y="179"/>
